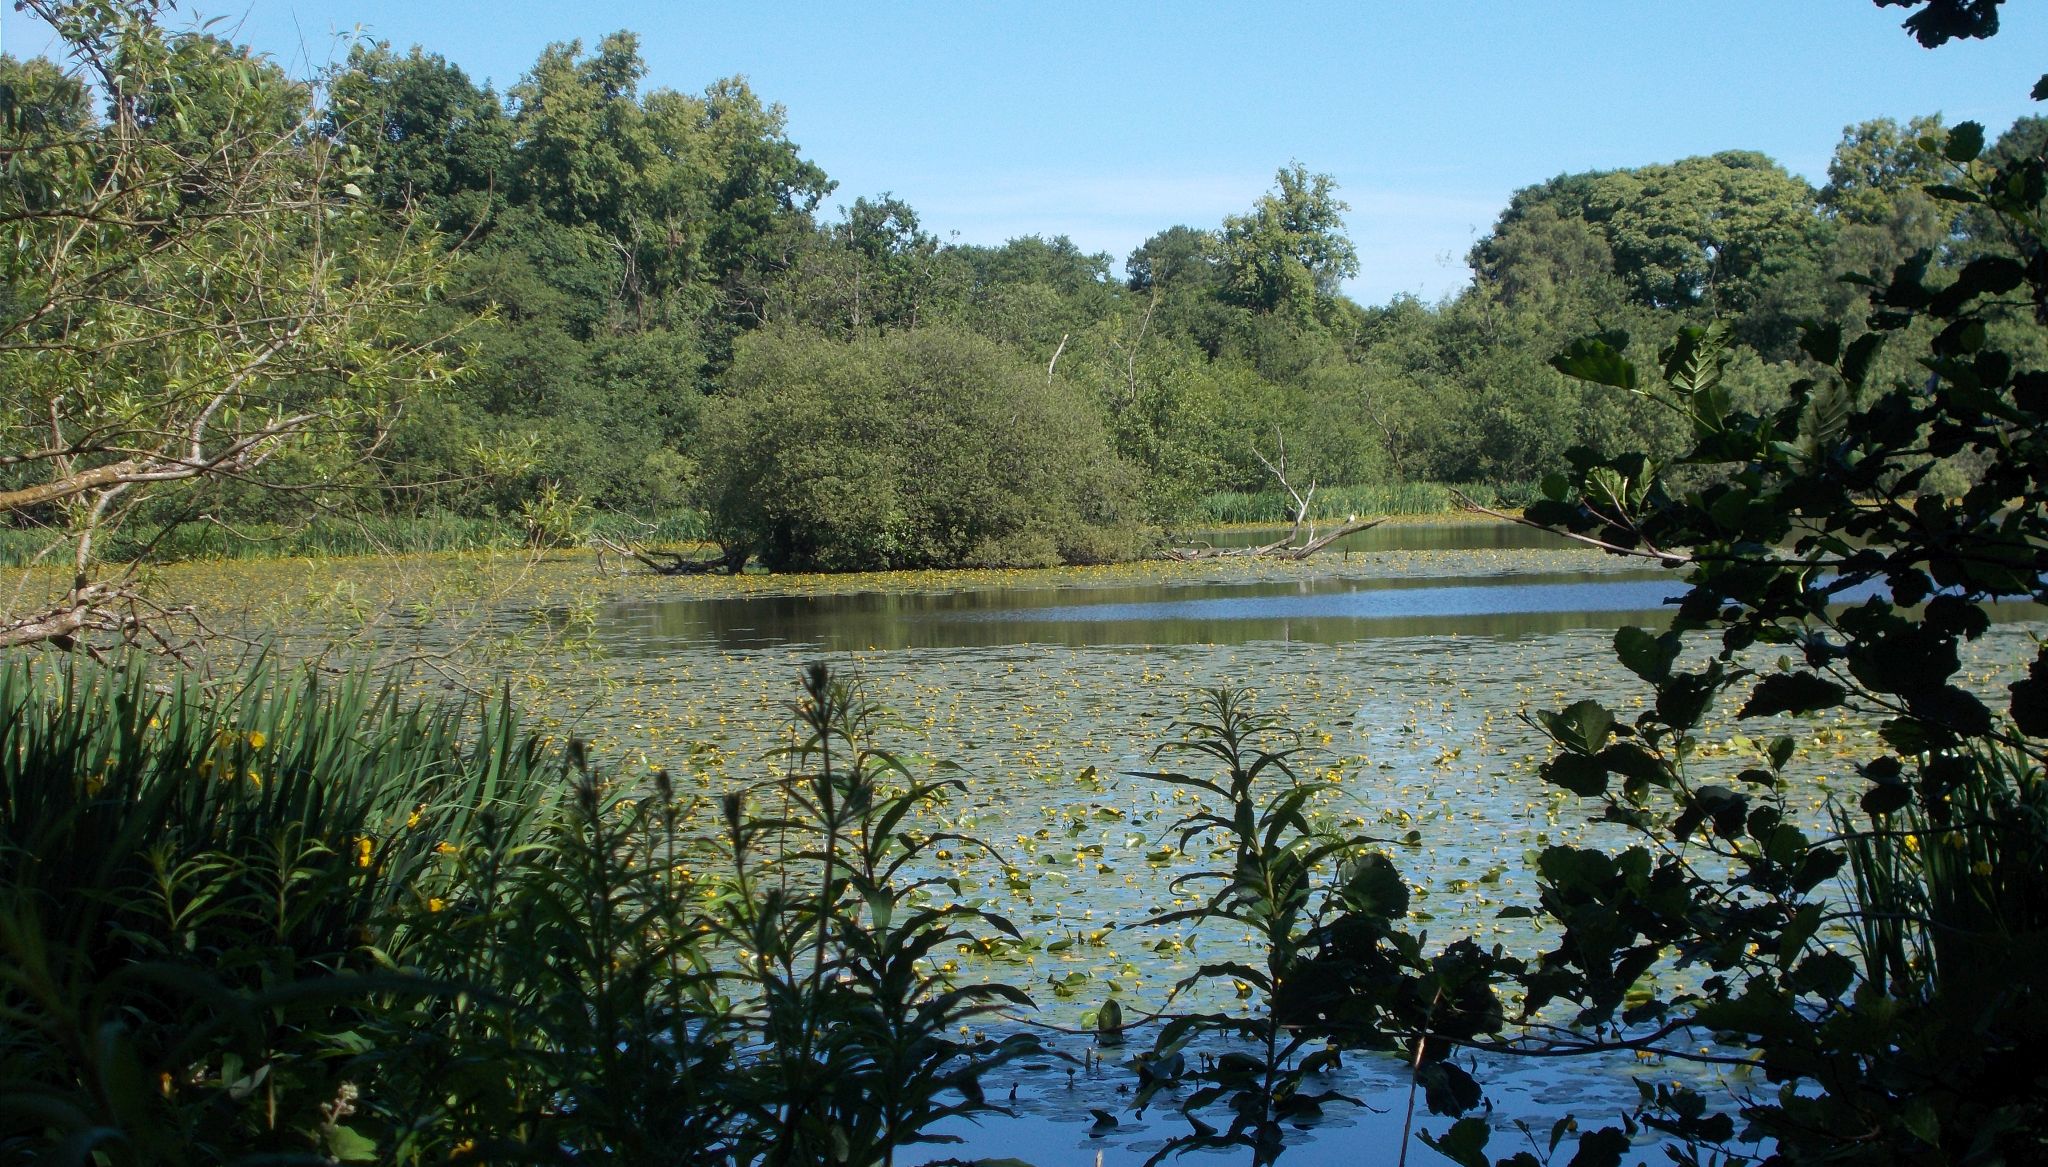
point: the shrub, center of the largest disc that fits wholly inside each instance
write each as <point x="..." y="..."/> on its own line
<point x="914" y="449"/>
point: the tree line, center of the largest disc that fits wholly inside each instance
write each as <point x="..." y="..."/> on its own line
<point x="638" y="302"/>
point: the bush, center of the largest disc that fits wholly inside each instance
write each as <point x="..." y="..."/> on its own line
<point x="931" y="448"/>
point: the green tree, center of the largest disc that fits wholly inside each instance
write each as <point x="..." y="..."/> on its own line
<point x="426" y="134"/>
<point x="1175" y="257"/>
<point x="181" y="308"/>
<point x="1289" y="252"/>
<point x="1705" y="232"/>
<point x="583" y="147"/>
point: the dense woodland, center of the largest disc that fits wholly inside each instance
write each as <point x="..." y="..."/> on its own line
<point x="651" y="300"/>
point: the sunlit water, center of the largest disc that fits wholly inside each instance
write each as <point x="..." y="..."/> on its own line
<point x="1403" y="668"/>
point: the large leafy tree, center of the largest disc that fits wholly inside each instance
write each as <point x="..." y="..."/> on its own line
<point x="1708" y="231"/>
<point x="425" y="133"/>
<point x="1289" y="252"/>
<point x="196" y="294"/>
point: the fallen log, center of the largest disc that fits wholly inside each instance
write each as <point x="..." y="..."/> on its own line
<point x="666" y="562"/>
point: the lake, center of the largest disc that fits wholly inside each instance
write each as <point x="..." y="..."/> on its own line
<point x="1404" y="664"/>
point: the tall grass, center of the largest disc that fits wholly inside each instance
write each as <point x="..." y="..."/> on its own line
<point x="195" y="884"/>
<point x="1336" y="502"/>
<point x="280" y="918"/>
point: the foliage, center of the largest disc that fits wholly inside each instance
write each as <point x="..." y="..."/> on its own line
<point x="1818" y="537"/>
<point x="913" y="449"/>
<point x="1289" y="252"/>
<point x="1267" y="890"/>
<point x="1321" y="909"/>
<point x="194" y="292"/>
<point x="269" y="920"/>
<point x="198" y="883"/>
<point x="856" y="1035"/>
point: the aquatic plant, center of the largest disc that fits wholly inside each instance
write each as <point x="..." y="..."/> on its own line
<point x="1321" y="910"/>
<point x="280" y="918"/>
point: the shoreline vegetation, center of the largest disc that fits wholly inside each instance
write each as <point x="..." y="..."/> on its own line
<point x="685" y="530"/>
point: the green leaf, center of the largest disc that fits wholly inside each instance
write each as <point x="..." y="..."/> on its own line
<point x="1582" y="775"/>
<point x="1964" y="143"/>
<point x="2040" y="91"/>
<point x="1649" y="657"/>
<point x="1464" y="1144"/>
<point x="1448" y="1089"/>
<point x="1583" y="726"/>
<point x="1822" y="342"/>
<point x="1799" y="692"/>
<point x="1601" y="1148"/>
<point x="1598" y="359"/>
<point x="2030" y="706"/>
<point x="348" y="1146"/>
<point x="1920" y="1121"/>
<point x="1883" y="800"/>
<point x="1824" y="974"/>
<point x="1109" y="1020"/>
<point x="1856" y="362"/>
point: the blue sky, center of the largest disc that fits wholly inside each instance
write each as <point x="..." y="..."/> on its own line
<point x="1110" y="120"/>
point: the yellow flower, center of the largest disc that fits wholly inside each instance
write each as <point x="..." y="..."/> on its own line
<point x="446" y="848"/>
<point x="1981" y="867"/>
<point x="364" y="847"/>
<point x="255" y="779"/>
<point x="256" y="739"/>
<point x="436" y="903"/>
<point x="1913" y="843"/>
<point x="413" y="820"/>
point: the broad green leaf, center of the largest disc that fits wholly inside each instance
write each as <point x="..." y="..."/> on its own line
<point x="1598" y="359"/>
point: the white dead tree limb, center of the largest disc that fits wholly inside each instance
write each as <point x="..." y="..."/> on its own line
<point x="1301" y="540"/>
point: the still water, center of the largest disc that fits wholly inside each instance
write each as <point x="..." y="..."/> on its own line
<point x="1403" y="667"/>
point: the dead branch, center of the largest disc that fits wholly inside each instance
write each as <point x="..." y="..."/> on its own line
<point x="1054" y="362"/>
<point x="1664" y="558"/>
<point x="1293" y="545"/>
<point x="666" y="562"/>
<point x="1284" y="548"/>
